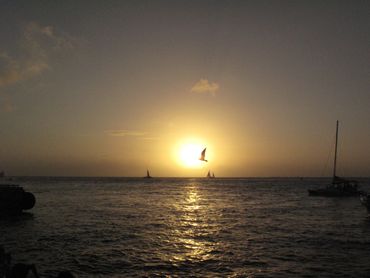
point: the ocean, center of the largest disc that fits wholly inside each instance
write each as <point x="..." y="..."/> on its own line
<point x="189" y="227"/>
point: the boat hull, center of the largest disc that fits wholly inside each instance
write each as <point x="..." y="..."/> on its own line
<point x="328" y="192"/>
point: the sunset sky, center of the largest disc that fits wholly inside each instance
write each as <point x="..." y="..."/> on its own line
<point x="111" y="88"/>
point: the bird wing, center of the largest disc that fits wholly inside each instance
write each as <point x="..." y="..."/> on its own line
<point x="203" y="154"/>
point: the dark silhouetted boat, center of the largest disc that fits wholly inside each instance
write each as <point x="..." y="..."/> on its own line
<point x="339" y="187"/>
<point x="210" y="176"/>
<point x="148" y="176"/>
<point x="2" y="174"/>
<point x="13" y="199"/>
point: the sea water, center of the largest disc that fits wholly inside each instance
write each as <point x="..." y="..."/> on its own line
<point x="127" y="227"/>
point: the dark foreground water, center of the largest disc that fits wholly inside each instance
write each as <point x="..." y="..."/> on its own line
<point x="111" y="227"/>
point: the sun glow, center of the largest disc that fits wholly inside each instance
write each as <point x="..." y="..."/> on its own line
<point x="189" y="155"/>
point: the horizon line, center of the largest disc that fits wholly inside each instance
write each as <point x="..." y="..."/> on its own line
<point x="173" y="177"/>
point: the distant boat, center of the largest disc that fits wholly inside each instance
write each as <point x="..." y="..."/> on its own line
<point x="339" y="187"/>
<point x="148" y="176"/>
<point x="203" y="155"/>
<point x="2" y="174"/>
<point x="210" y="175"/>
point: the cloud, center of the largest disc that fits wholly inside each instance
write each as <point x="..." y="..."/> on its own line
<point x="43" y="39"/>
<point x="37" y="44"/>
<point x="151" y="138"/>
<point x="203" y="86"/>
<point x="123" y="133"/>
<point x="9" y="70"/>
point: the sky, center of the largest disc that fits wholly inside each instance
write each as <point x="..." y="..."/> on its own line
<point x="112" y="88"/>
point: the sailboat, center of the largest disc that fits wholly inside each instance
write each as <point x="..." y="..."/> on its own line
<point x="209" y="175"/>
<point x="148" y="176"/>
<point x="339" y="187"/>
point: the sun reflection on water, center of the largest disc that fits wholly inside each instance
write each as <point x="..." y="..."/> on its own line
<point x="192" y="233"/>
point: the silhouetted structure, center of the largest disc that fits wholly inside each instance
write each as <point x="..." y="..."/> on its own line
<point x="13" y="199"/>
<point x="21" y="270"/>
<point x="210" y="176"/>
<point x="148" y="176"/>
<point x="339" y="187"/>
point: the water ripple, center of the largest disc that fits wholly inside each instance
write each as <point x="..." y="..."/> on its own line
<point x="105" y="227"/>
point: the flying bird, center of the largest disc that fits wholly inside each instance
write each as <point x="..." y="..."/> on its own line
<point x="203" y="155"/>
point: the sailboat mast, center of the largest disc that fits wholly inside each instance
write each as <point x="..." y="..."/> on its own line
<point x="335" y="155"/>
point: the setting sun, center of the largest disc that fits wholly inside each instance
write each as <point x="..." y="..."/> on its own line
<point x="189" y="155"/>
